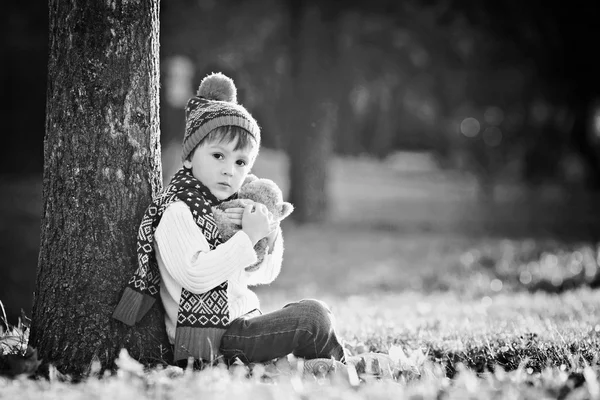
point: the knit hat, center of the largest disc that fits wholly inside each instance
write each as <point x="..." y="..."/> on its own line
<point x="215" y="105"/>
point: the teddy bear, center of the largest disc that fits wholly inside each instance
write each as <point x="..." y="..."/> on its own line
<point x="257" y="190"/>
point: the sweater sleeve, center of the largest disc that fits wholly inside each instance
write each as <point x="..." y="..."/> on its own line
<point x="270" y="267"/>
<point x="187" y="256"/>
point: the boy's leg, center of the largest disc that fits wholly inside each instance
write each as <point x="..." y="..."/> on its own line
<point x="304" y="328"/>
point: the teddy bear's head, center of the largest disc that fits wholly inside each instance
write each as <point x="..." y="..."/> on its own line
<point x="267" y="192"/>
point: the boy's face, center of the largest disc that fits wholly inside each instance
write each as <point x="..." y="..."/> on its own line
<point x="221" y="168"/>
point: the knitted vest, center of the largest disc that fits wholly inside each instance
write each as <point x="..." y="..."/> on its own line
<point x="202" y="318"/>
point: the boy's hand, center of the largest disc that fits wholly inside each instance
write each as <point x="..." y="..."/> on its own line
<point x="258" y="223"/>
<point x="235" y="215"/>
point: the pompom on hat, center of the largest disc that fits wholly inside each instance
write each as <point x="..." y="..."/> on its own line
<point x="214" y="105"/>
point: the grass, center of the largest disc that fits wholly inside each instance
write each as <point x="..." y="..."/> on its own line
<point x="505" y="346"/>
<point x="362" y="261"/>
<point x="13" y="338"/>
<point x="462" y="315"/>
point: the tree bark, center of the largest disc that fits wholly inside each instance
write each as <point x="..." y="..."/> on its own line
<point x="101" y="167"/>
<point x="313" y="113"/>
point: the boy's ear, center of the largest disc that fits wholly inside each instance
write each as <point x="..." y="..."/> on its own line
<point x="187" y="164"/>
<point x="286" y="209"/>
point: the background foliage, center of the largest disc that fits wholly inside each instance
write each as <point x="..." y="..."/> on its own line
<point x="444" y="119"/>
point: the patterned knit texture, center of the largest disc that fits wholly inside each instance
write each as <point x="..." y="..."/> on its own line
<point x="202" y="318"/>
<point x="211" y="109"/>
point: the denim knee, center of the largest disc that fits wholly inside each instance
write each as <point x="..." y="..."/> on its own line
<point x="318" y="338"/>
<point x="317" y="315"/>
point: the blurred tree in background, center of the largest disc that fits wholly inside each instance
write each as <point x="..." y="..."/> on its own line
<point x="488" y="87"/>
<point x="504" y="92"/>
<point x="500" y="91"/>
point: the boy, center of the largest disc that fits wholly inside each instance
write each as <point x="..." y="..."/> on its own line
<point x="203" y="284"/>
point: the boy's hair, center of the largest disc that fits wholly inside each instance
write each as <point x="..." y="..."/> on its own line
<point x="214" y="106"/>
<point x="227" y="134"/>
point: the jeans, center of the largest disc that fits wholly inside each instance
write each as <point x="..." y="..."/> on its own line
<point x="304" y="329"/>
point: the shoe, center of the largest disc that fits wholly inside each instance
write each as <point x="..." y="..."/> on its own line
<point x="320" y="367"/>
<point x="374" y="364"/>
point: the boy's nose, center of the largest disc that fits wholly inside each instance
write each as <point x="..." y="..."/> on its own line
<point x="228" y="170"/>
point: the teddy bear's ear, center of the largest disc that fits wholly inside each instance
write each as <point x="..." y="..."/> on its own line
<point x="249" y="178"/>
<point x="286" y="209"/>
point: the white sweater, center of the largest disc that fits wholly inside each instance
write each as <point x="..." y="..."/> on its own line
<point x="186" y="261"/>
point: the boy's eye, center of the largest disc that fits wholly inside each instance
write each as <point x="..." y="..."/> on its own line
<point x="241" y="163"/>
<point x="218" y="156"/>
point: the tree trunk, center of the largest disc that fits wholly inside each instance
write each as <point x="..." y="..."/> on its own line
<point x="312" y="112"/>
<point x="384" y="132"/>
<point x="101" y="167"/>
<point x="583" y="143"/>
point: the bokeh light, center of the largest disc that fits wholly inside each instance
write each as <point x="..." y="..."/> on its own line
<point x="496" y="285"/>
<point x="470" y="127"/>
<point x="525" y="277"/>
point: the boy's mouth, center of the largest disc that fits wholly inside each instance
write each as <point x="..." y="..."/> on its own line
<point x="224" y="184"/>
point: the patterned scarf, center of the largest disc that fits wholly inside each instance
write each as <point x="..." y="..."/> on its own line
<point x="201" y="318"/>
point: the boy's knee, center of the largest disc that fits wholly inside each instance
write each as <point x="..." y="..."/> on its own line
<point x="317" y="313"/>
<point x="314" y="304"/>
<point x="318" y="339"/>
